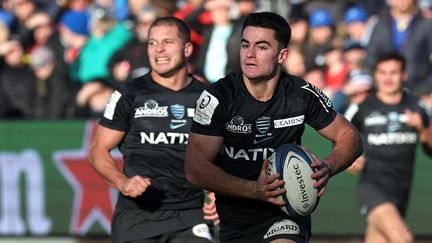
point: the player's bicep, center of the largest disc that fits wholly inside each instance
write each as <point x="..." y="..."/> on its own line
<point x="106" y="138"/>
<point x="337" y="129"/>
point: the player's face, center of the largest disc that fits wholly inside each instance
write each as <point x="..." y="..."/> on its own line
<point x="260" y="54"/>
<point x="166" y="50"/>
<point x="389" y="77"/>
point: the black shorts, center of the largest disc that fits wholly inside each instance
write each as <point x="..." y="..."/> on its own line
<point x="369" y="196"/>
<point x="136" y="225"/>
<point x="276" y="228"/>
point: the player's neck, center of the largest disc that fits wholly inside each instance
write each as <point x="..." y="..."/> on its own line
<point x="390" y="98"/>
<point x="262" y="90"/>
<point x="177" y="81"/>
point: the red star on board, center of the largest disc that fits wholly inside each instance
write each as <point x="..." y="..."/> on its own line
<point x="93" y="197"/>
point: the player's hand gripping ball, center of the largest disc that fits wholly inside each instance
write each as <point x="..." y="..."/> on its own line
<point x="293" y="164"/>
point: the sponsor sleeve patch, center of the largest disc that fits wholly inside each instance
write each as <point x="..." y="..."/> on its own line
<point x="190" y="112"/>
<point x="111" y="106"/>
<point x="205" y="108"/>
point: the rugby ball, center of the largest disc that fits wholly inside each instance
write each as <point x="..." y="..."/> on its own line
<point x="293" y="164"/>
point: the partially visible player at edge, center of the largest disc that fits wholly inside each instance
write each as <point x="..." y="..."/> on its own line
<point x="239" y="122"/>
<point x="391" y="122"/>
<point x="150" y="122"/>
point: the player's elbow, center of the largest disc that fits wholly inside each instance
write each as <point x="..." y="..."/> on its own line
<point x="191" y="173"/>
<point x="95" y="152"/>
<point x="359" y="146"/>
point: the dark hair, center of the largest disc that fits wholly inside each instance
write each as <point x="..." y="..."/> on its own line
<point x="392" y="56"/>
<point x="272" y="21"/>
<point x="183" y="29"/>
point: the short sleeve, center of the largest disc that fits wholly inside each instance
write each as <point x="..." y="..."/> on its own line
<point x="209" y="114"/>
<point x="117" y="112"/>
<point x="319" y="106"/>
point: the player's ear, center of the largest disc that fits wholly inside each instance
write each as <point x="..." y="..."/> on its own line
<point x="188" y="49"/>
<point x="283" y="55"/>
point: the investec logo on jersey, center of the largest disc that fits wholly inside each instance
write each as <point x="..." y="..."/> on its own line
<point x="236" y="125"/>
<point x="151" y="109"/>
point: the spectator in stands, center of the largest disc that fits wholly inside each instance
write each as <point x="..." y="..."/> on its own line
<point x="22" y="10"/>
<point x="426" y="8"/>
<point x="74" y="31"/>
<point x="356" y="89"/>
<point x="17" y="83"/>
<point x="131" y="61"/>
<point x="218" y="55"/>
<point x="135" y="7"/>
<point x="403" y="29"/>
<point x="42" y="29"/>
<point x="356" y="25"/>
<point x="316" y="77"/>
<point x="116" y="8"/>
<point x="204" y="18"/>
<point x="54" y="96"/>
<point x="354" y="55"/>
<point x="322" y="28"/>
<point x="6" y="17"/>
<point x="91" y="99"/>
<point x="107" y="36"/>
<point x="76" y="5"/>
<point x="295" y="63"/>
<point x="166" y="7"/>
<point x="358" y="82"/>
<point x="335" y="72"/>
<point x="4" y="33"/>
<point x="298" y="21"/>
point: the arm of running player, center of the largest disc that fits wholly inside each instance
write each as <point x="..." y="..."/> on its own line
<point x="209" y="208"/>
<point x="201" y="172"/>
<point x="104" y="140"/>
<point x="414" y="119"/>
<point x="358" y="165"/>
<point x="347" y="147"/>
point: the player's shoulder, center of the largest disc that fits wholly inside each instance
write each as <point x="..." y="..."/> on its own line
<point x="371" y="101"/>
<point x="135" y="86"/>
<point x="306" y="91"/>
<point x="197" y="85"/>
<point x="410" y="98"/>
<point x="226" y="88"/>
<point x="229" y="85"/>
<point x="298" y="86"/>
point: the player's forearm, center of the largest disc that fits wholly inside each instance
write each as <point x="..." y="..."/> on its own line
<point x="209" y="177"/>
<point x="105" y="166"/>
<point x="347" y="148"/>
<point x="425" y="138"/>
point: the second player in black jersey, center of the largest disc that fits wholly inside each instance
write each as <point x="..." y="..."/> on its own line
<point x="149" y="122"/>
<point x="243" y="118"/>
<point x="391" y="123"/>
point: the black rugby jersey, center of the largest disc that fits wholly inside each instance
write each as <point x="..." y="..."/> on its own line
<point x="390" y="145"/>
<point x="157" y="121"/>
<point x="252" y="129"/>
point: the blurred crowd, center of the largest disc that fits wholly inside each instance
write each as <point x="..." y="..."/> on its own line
<point x="62" y="59"/>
